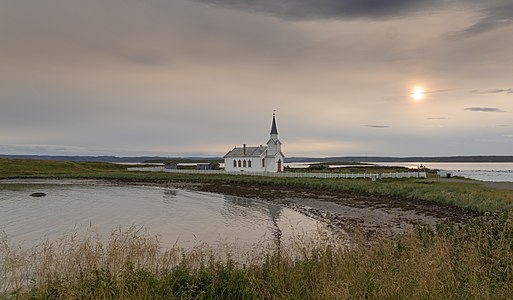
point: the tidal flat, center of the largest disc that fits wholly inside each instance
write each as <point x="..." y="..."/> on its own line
<point x="374" y="216"/>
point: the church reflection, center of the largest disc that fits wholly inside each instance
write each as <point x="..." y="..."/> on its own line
<point x="253" y="211"/>
<point x="169" y="196"/>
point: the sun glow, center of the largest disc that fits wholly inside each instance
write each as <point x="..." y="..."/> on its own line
<point x="418" y="94"/>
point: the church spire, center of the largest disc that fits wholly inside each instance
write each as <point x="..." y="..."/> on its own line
<point x="274" y="144"/>
<point x="274" y="129"/>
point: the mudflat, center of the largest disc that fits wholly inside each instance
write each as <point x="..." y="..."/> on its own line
<point x="374" y="216"/>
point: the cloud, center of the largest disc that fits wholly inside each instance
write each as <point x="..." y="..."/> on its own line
<point x="484" y="109"/>
<point x="438" y="118"/>
<point x="377" y="126"/>
<point x="329" y="9"/>
<point x="492" y="91"/>
<point x="504" y="125"/>
<point x="441" y="91"/>
<point x="492" y="17"/>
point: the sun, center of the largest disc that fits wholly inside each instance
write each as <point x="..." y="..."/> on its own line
<point x="417" y="94"/>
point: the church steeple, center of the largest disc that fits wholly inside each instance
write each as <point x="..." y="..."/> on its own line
<point x="274" y="129"/>
<point x="274" y="144"/>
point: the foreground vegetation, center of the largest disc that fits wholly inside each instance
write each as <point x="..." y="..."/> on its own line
<point x="474" y="261"/>
<point x="467" y="261"/>
<point x="463" y="194"/>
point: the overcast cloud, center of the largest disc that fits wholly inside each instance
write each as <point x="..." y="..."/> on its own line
<point x="329" y="9"/>
<point x="484" y="109"/>
<point x="175" y="77"/>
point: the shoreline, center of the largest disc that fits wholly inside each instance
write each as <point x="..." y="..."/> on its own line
<point x="355" y="214"/>
<point x="373" y="216"/>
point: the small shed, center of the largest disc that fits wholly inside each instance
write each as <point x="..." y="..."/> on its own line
<point x="171" y="166"/>
<point x="203" y="166"/>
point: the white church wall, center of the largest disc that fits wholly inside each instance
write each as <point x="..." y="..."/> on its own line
<point x="256" y="164"/>
<point x="271" y="163"/>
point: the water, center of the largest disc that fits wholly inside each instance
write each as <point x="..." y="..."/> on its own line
<point x="178" y="216"/>
<point x="500" y="172"/>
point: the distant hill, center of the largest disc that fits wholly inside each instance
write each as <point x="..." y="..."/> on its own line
<point x="141" y="159"/>
<point x="460" y="159"/>
<point x="113" y="159"/>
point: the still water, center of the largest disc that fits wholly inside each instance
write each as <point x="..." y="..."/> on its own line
<point x="181" y="217"/>
<point x="500" y="172"/>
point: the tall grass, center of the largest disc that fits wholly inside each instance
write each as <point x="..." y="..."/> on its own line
<point x="473" y="261"/>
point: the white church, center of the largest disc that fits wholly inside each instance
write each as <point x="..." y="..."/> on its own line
<point x="257" y="159"/>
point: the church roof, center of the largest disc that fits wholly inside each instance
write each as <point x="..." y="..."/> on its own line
<point x="274" y="129"/>
<point x="250" y="152"/>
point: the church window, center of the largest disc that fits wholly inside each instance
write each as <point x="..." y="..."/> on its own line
<point x="249" y="163"/>
<point x="234" y="163"/>
<point x="263" y="162"/>
<point x="244" y="163"/>
<point x="240" y="164"/>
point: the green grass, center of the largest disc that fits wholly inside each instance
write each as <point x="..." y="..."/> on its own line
<point x="463" y="194"/>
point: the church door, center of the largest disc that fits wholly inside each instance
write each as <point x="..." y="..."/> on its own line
<point x="279" y="165"/>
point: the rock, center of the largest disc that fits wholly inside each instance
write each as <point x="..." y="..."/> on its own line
<point x="38" y="194"/>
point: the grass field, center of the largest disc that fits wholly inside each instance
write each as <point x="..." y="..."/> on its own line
<point x="469" y="261"/>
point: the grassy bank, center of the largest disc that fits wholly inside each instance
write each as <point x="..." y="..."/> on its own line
<point x="462" y="194"/>
<point x="470" y="262"/>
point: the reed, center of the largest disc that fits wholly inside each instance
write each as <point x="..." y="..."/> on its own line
<point x="472" y="261"/>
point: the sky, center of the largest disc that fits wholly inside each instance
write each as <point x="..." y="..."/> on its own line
<point x="198" y="77"/>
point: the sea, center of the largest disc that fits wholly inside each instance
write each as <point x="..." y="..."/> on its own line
<point x="498" y="172"/>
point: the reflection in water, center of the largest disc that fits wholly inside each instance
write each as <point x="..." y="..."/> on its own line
<point x="274" y="211"/>
<point x="180" y="217"/>
<point x="238" y="207"/>
<point x="170" y="193"/>
<point x="169" y="197"/>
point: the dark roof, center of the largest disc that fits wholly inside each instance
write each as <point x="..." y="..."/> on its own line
<point x="274" y="129"/>
<point x="250" y="152"/>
